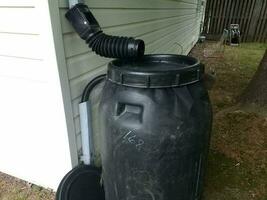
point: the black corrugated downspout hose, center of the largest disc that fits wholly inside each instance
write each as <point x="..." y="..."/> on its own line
<point x="89" y="30"/>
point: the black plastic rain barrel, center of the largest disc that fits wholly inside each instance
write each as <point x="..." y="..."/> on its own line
<point x="155" y="120"/>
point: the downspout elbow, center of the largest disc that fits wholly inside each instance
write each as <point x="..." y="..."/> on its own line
<point x="87" y="27"/>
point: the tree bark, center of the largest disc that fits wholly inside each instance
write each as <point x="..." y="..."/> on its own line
<point x="256" y="92"/>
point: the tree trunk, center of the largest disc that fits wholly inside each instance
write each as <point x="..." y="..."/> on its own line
<point x="256" y="92"/>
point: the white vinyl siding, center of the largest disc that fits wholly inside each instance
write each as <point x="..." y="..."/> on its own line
<point x="20" y="40"/>
<point x="34" y="143"/>
<point x="165" y="26"/>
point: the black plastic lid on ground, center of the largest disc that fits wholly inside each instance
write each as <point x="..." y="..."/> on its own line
<point x="81" y="183"/>
<point x="156" y="71"/>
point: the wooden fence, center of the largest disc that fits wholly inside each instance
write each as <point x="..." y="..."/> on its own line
<point x="251" y="15"/>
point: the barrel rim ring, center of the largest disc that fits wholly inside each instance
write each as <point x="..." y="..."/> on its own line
<point x="120" y="72"/>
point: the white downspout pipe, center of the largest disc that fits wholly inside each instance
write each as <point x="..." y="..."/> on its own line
<point x="86" y="133"/>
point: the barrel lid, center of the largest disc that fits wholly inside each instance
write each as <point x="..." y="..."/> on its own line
<point x="156" y="71"/>
<point x="82" y="182"/>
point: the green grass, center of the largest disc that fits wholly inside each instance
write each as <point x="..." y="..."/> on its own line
<point x="237" y="168"/>
<point x="242" y="61"/>
<point x="228" y="179"/>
